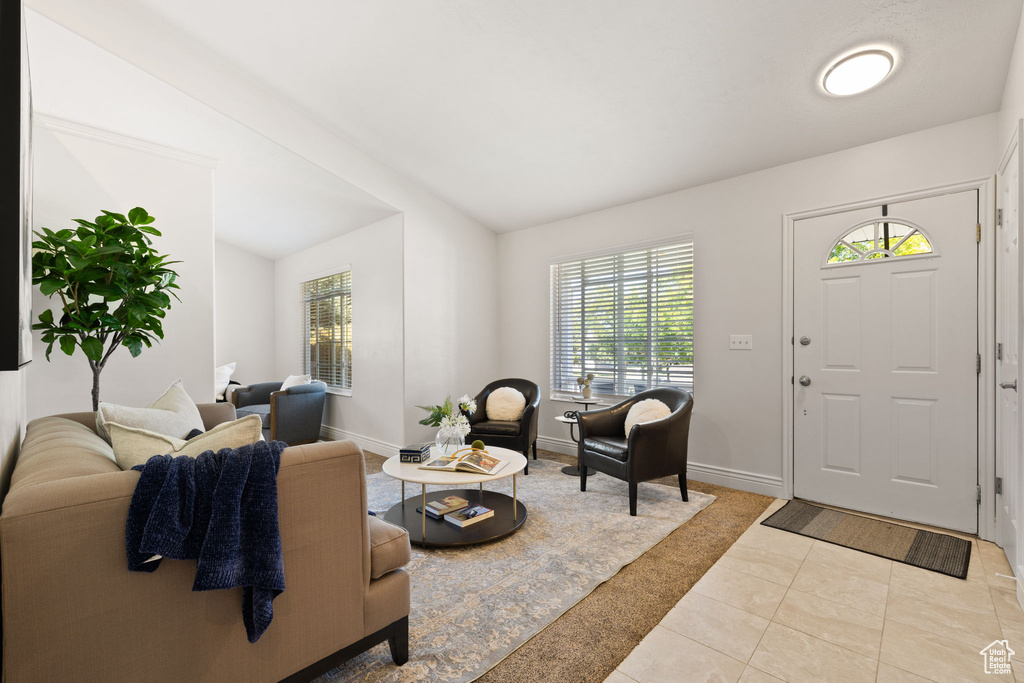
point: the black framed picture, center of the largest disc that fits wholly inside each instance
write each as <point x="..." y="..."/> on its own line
<point x="15" y="189"/>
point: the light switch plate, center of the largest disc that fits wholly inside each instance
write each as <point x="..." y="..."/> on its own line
<point x="741" y="342"/>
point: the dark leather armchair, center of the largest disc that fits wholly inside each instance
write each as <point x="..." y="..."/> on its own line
<point x="293" y="415"/>
<point x="518" y="436"/>
<point x="652" y="449"/>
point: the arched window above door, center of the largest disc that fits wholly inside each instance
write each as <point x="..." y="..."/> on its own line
<point x="879" y="239"/>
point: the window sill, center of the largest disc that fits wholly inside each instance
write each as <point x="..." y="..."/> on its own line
<point x="337" y="391"/>
<point x="603" y="399"/>
<point x="576" y="399"/>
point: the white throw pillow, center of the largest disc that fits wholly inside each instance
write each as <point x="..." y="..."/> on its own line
<point x="173" y="414"/>
<point x="294" y="381"/>
<point x="505" y="404"/>
<point x="221" y="378"/>
<point x="648" y="410"/>
<point x="133" y="446"/>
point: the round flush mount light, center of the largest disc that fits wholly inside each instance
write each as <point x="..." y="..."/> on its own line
<point x="858" y="72"/>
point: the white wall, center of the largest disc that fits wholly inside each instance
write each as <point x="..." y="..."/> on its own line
<point x="76" y="175"/>
<point x="244" y="310"/>
<point x="737" y="226"/>
<point x="372" y="414"/>
<point x="450" y="257"/>
<point x="1013" y="95"/>
<point x="451" y="313"/>
<point x="12" y="423"/>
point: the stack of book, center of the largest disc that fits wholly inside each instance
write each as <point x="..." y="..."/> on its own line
<point x="436" y="509"/>
<point x="469" y="515"/>
<point x="417" y="452"/>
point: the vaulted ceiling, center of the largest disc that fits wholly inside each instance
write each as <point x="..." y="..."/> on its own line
<point x="524" y="112"/>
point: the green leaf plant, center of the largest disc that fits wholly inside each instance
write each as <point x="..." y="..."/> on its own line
<point x="114" y="288"/>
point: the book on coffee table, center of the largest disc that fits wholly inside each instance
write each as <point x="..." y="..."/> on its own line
<point x="469" y="515"/>
<point x="476" y="462"/>
<point x="439" y="508"/>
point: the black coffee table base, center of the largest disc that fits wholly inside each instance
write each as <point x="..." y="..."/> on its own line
<point x="573" y="471"/>
<point x="442" y="534"/>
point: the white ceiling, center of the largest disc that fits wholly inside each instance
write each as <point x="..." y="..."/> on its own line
<point x="269" y="200"/>
<point x="524" y="112"/>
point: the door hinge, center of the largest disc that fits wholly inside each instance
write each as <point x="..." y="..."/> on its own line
<point x="791" y="380"/>
<point x="977" y="237"/>
<point x="999" y="351"/>
<point x="999" y="218"/>
<point x="999" y="486"/>
<point x="977" y="366"/>
<point x="979" y="495"/>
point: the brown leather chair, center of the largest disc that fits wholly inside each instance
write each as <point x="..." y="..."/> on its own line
<point x="518" y="436"/>
<point x="652" y="449"/>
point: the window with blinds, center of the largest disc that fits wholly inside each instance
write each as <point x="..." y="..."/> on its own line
<point x="327" y="337"/>
<point x="627" y="318"/>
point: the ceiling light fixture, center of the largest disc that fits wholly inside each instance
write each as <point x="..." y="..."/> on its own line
<point x="858" y="72"/>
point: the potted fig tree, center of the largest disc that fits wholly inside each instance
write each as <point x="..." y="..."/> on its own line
<point x="114" y="288"/>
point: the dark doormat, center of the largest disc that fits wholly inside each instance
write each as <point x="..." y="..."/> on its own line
<point x="940" y="553"/>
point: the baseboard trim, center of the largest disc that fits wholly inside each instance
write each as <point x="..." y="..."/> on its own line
<point x="735" y="479"/>
<point x="367" y="443"/>
<point x="710" y="474"/>
<point x="563" y="446"/>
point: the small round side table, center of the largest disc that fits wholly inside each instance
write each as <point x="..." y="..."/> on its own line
<point x="569" y="418"/>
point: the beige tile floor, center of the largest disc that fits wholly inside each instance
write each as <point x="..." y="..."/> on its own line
<point x="778" y="606"/>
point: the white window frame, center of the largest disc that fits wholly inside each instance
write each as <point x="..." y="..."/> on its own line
<point x="304" y="312"/>
<point x="560" y="337"/>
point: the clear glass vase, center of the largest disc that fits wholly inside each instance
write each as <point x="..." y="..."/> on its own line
<point x="447" y="442"/>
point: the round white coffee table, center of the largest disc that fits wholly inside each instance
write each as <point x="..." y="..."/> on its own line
<point x="509" y="513"/>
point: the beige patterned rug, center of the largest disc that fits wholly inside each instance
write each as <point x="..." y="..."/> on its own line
<point x="471" y="607"/>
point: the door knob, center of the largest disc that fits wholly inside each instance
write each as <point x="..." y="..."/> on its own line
<point x="805" y="340"/>
<point x="1009" y="385"/>
<point x="805" y="380"/>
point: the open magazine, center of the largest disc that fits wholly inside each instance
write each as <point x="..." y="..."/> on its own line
<point x="474" y="462"/>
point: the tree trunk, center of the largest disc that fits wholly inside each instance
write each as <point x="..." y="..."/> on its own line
<point x="96" y="370"/>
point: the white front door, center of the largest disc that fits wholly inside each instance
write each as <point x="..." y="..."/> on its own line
<point x="885" y="350"/>
<point x="1008" y="470"/>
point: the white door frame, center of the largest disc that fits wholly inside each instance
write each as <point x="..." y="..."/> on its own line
<point x="986" y="333"/>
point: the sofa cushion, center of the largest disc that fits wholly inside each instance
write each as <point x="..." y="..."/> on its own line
<point x="294" y="381"/>
<point x="173" y="414"/>
<point x="612" y="446"/>
<point x="58" y="448"/>
<point x="221" y="378"/>
<point x="135" y="446"/>
<point x="497" y="427"/>
<point x="389" y="547"/>
<point x="261" y="409"/>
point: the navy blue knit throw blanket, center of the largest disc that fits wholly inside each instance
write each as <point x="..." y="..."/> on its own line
<point x="220" y="509"/>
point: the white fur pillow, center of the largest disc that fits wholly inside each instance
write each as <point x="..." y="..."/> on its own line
<point x="505" y="404"/>
<point x="648" y="410"/>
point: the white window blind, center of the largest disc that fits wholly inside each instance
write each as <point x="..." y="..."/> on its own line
<point x="327" y="337"/>
<point x="627" y="318"/>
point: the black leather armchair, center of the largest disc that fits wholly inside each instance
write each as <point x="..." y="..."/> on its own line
<point x="293" y="415"/>
<point x="518" y="436"/>
<point x="652" y="449"/>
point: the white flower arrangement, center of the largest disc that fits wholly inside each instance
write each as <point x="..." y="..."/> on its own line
<point x="452" y="423"/>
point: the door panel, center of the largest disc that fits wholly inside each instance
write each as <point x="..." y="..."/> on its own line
<point x="1008" y="325"/>
<point x="888" y="423"/>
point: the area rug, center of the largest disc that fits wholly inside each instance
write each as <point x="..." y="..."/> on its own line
<point x="940" y="553"/>
<point x="472" y="607"/>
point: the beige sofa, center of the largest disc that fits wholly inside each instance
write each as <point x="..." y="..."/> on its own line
<point x="73" y="612"/>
